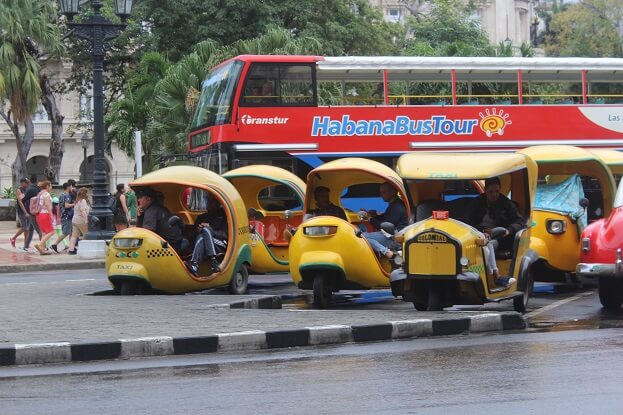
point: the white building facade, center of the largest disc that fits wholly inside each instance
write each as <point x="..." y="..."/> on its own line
<point x="503" y="20"/>
<point x="77" y="111"/>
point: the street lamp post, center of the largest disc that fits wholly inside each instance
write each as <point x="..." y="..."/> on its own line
<point x="98" y="30"/>
<point x="85" y="146"/>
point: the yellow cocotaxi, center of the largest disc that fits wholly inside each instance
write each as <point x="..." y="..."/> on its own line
<point x="327" y="253"/>
<point x="445" y="258"/>
<point x="278" y="196"/>
<point x="614" y="161"/>
<point x="139" y="260"/>
<point x="557" y="226"/>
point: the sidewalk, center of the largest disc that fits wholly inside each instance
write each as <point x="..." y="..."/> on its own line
<point x="15" y="260"/>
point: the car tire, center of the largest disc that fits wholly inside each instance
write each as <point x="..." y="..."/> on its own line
<point x="520" y="303"/>
<point x="239" y="282"/>
<point x="127" y="288"/>
<point x="435" y="293"/>
<point x="322" y="292"/>
<point x="610" y="293"/>
<point x="420" y="306"/>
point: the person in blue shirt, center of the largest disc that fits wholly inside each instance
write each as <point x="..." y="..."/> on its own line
<point x="396" y="214"/>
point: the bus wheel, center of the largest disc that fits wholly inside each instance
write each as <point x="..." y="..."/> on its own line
<point x="127" y="288"/>
<point x="610" y="293"/>
<point x="240" y="281"/>
<point x="434" y="298"/>
<point x="322" y="291"/>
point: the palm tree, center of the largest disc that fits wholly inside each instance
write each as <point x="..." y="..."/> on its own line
<point x="176" y="95"/>
<point x="28" y="36"/>
<point x="131" y="112"/>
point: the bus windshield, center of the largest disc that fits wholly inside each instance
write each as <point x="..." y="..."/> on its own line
<point x="217" y="93"/>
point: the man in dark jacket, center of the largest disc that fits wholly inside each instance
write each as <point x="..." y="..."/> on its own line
<point x="324" y="207"/>
<point x="154" y="216"/>
<point x="491" y="210"/>
<point x="211" y="239"/>
<point x="396" y="214"/>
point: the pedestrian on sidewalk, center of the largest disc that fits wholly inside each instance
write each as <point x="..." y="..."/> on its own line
<point x="80" y="219"/>
<point x="44" y="216"/>
<point x="66" y="206"/>
<point x="22" y="213"/>
<point x="121" y="215"/>
<point x="32" y="191"/>
<point x="130" y="198"/>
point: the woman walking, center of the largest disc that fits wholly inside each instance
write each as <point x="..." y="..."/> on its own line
<point x="44" y="217"/>
<point x="121" y="215"/>
<point x="79" y="222"/>
<point x="22" y="213"/>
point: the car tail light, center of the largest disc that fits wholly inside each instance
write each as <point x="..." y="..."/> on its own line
<point x="586" y="244"/>
<point x="555" y="226"/>
<point x="319" y="230"/>
<point x="441" y="214"/>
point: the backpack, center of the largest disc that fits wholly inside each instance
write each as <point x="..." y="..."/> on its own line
<point x="35" y="204"/>
<point x="113" y="205"/>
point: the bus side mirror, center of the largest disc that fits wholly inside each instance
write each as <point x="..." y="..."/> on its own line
<point x="584" y="203"/>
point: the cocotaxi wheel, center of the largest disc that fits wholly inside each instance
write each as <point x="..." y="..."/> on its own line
<point x="240" y="281"/>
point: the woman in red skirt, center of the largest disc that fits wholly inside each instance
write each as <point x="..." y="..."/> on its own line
<point x="44" y="217"/>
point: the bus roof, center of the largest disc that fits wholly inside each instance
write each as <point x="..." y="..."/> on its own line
<point x="431" y="69"/>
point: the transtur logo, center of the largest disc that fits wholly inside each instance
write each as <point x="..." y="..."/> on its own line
<point x="249" y="120"/>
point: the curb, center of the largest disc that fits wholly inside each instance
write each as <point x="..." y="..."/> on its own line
<point x="271" y="302"/>
<point x="26" y="354"/>
<point x="54" y="266"/>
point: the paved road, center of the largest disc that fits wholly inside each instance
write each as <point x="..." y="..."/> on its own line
<point x="569" y="372"/>
<point x="47" y="307"/>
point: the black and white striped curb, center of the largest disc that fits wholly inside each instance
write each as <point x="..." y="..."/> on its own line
<point x="25" y="354"/>
<point x="271" y="302"/>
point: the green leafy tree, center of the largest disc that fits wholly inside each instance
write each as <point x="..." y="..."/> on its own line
<point x="28" y="38"/>
<point x="132" y="111"/>
<point x="344" y="27"/>
<point x="586" y="29"/>
<point x="447" y="29"/>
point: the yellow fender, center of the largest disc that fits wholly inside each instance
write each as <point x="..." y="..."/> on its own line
<point x="321" y="259"/>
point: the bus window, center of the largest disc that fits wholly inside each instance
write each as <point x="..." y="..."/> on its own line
<point x="363" y="195"/>
<point x="270" y="84"/>
<point x="217" y="92"/>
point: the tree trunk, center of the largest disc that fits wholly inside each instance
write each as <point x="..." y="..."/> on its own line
<point x="57" y="148"/>
<point x="23" y="144"/>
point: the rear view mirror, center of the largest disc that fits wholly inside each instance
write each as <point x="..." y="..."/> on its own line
<point x="584" y="203"/>
<point x="174" y="221"/>
<point x="388" y="228"/>
<point x="255" y="214"/>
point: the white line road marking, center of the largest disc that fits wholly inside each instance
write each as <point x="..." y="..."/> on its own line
<point x="20" y="283"/>
<point x="84" y="279"/>
<point x="557" y="304"/>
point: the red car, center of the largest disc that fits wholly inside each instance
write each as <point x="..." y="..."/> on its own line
<point x="602" y="243"/>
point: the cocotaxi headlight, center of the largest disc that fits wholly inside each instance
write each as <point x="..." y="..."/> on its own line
<point x="127" y="242"/>
<point x="319" y="230"/>
<point x="555" y="226"/>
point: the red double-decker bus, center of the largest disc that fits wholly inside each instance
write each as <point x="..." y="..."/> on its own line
<point x="300" y="111"/>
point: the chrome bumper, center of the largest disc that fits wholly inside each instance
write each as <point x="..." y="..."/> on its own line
<point x="614" y="270"/>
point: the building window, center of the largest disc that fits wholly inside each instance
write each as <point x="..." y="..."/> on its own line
<point x="86" y="105"/>
<point x="40" y="115"/>
<point x="393" y="15"/>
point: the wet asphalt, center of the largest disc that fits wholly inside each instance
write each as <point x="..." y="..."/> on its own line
<point x="568" y="362"/>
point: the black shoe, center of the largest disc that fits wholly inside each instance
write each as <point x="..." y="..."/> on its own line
<point x="54" y="248"/>
<point x="193" y="267"/>
<point x="215" y="266"/>
<point x="74" y="252"/>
